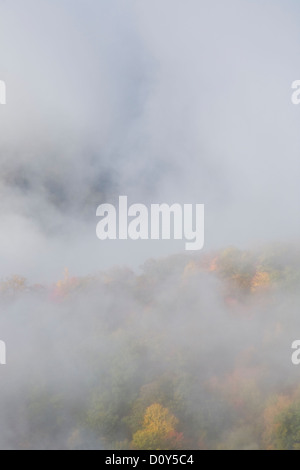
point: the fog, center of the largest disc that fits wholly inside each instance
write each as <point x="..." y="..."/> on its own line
<point x="86" y="358"/>
<point x="164" y="102"/>
<point x="161" y="102"/>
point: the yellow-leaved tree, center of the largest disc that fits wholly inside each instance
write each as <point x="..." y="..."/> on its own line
<point x="260" y="282"/>
<point x="158" y="431"/>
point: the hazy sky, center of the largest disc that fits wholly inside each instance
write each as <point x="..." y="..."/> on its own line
<point x="163" y="101"/>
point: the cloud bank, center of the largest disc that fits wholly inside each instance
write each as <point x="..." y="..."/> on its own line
<point x="163" y="102"/>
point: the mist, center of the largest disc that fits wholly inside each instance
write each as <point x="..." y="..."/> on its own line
<point x="88" y="356"/>
<point x="162" y="102"/>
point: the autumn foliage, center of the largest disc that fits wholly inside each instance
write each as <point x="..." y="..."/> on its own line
<point x="158" y="431"/>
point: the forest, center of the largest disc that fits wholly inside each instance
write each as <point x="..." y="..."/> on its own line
<point x="191" y="352"/>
